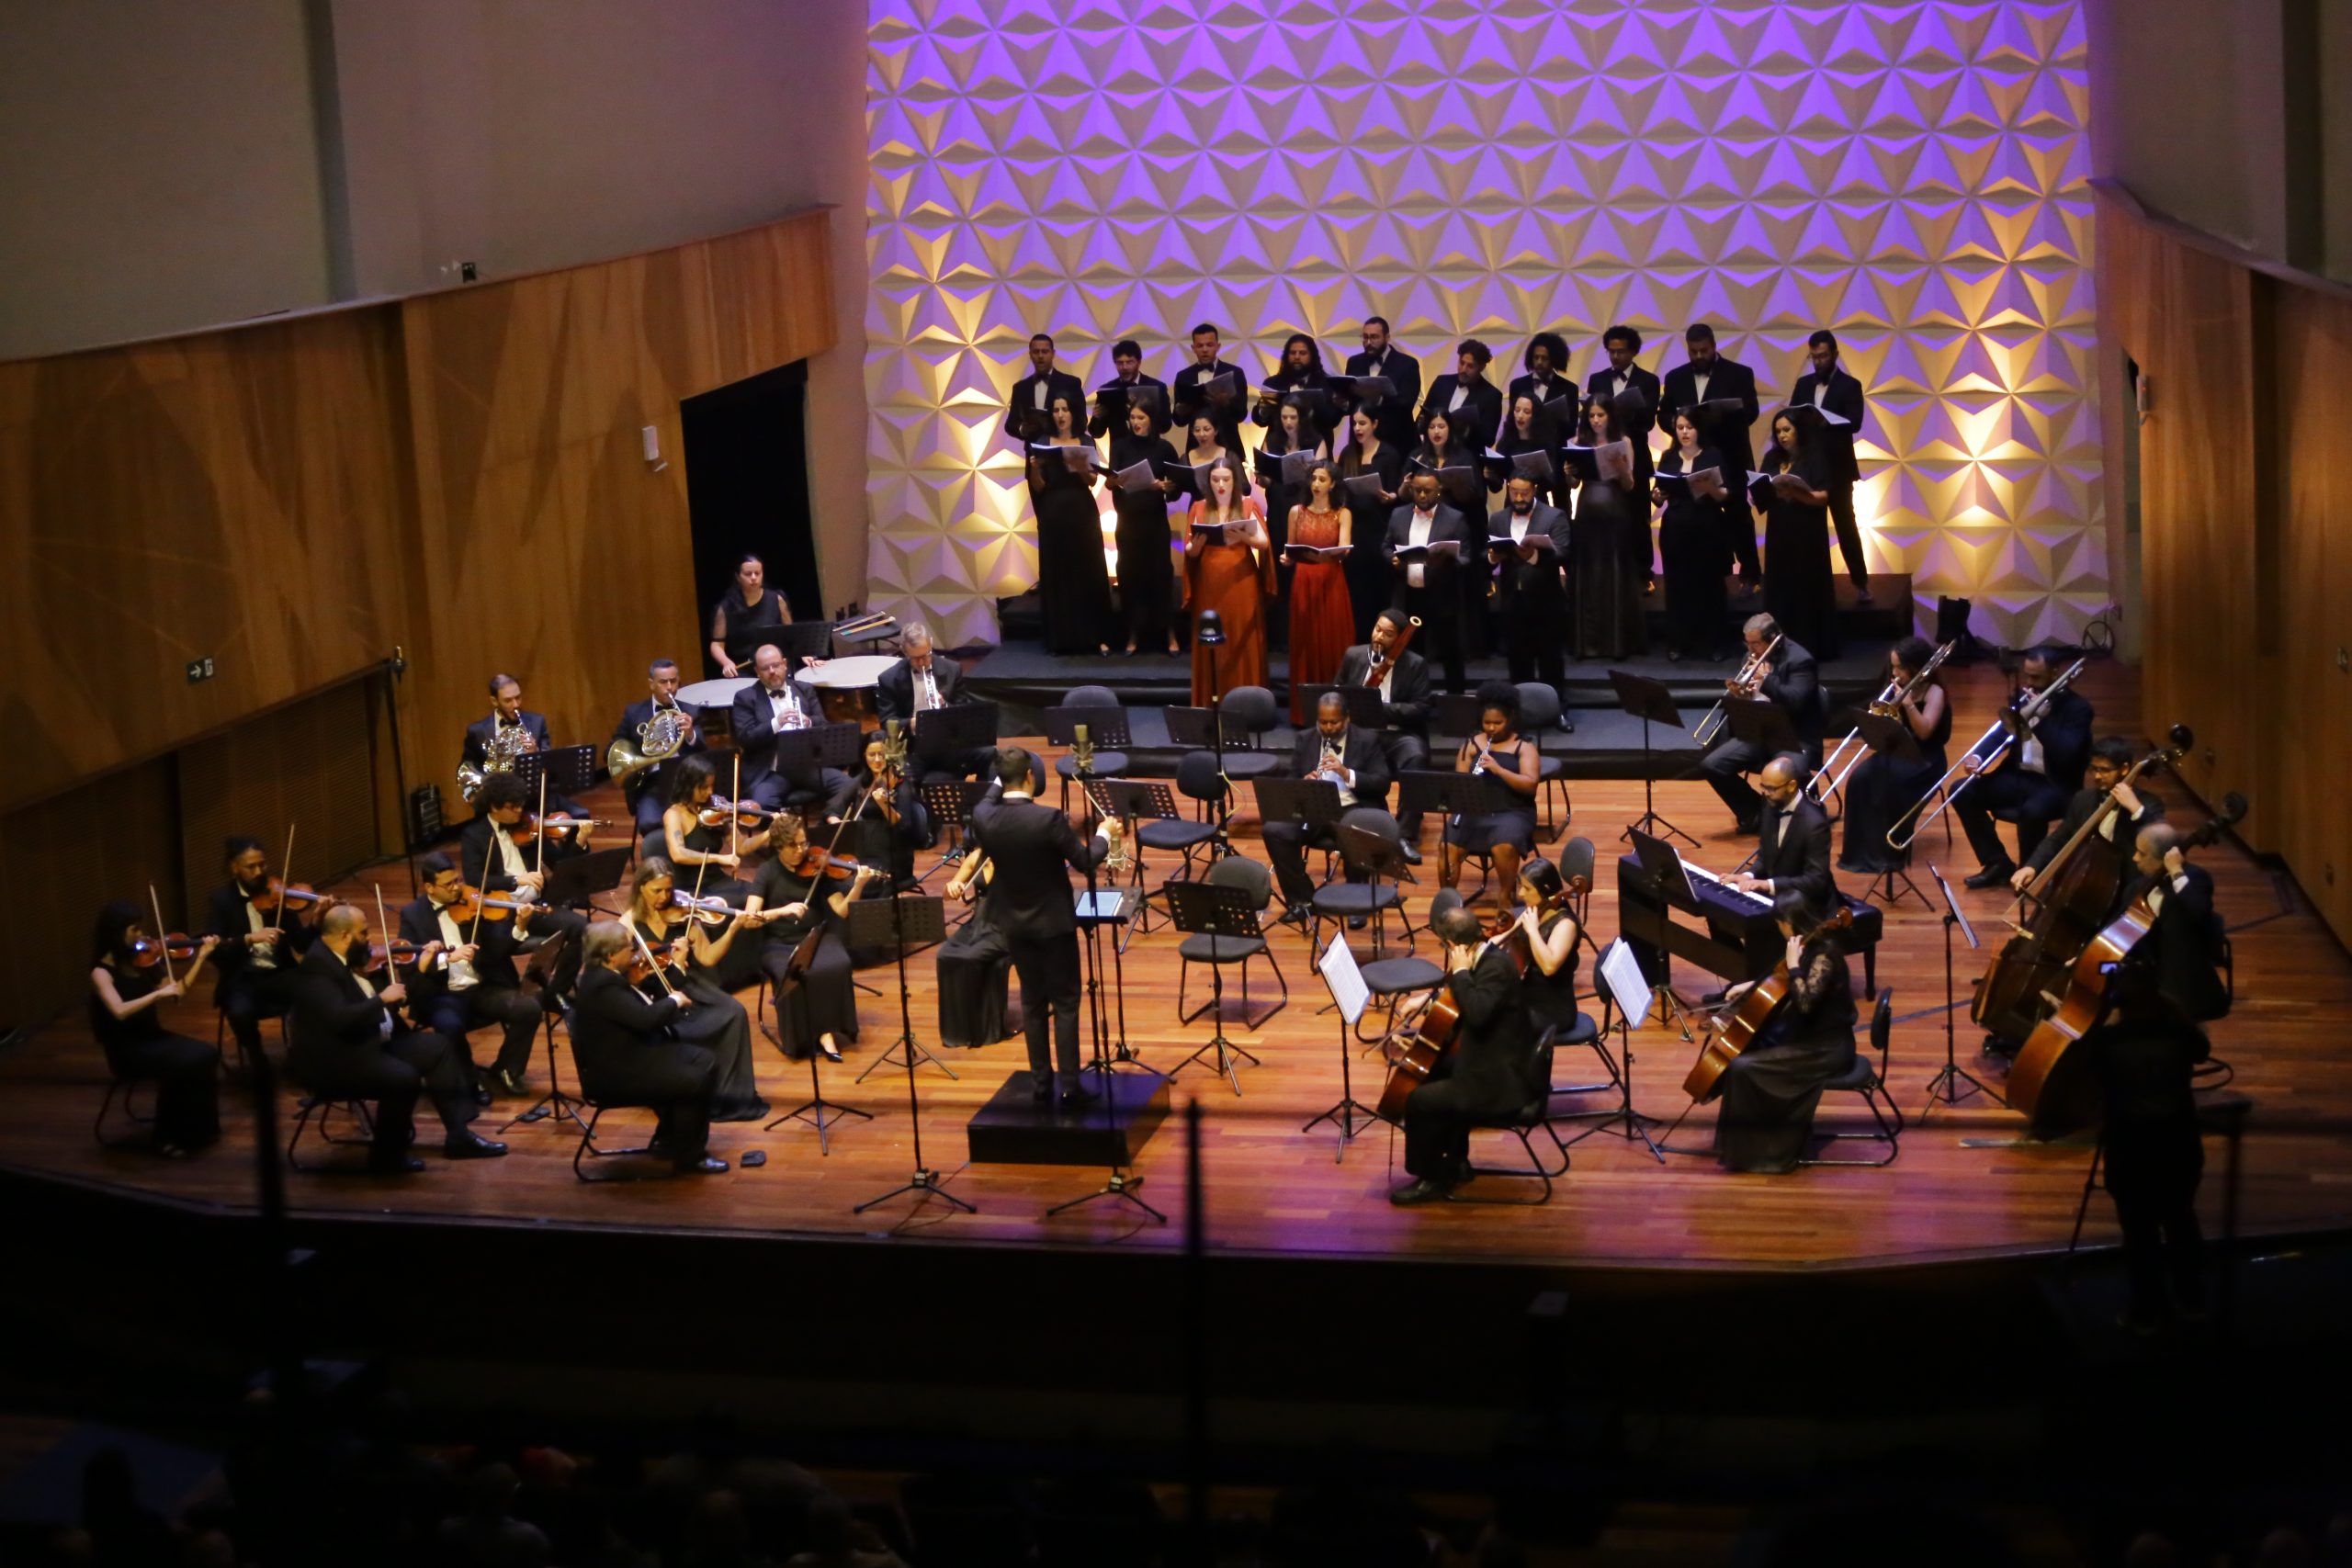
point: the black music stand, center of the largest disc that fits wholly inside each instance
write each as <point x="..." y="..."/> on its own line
<point x="573" y="884"/>
<point x="570" y="769"/>
<point x="1626" y="1121"/>
<point x="951" y="803"/>
<point x="946" y="736"/>
<point x="830" y="744"/>
<point x="1652" y="703"/>
<point x="1667" y="871"/>
<point x="1453" y="796"/>
<point x="554" y="1103"/>
<point x="818" y="1112"/>
<point x="1764" y="724"/>
<point x="898" y="922"/>
<point x="1364" y="706"/>
<point x="1351" y="996"/>
<point x="1312" y="804"/>
<point x="1097" y="908"/>
<point x="1892" y="740"/>
<point x="1128" y="799"/>
<point x="908" y="917"/>
<point x="801" y="639"/>
<point x="1945" y="1084"/>
<point x="1201" y="909"/>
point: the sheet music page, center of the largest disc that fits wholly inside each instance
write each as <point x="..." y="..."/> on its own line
<point x="1346" y="981"/>
<point x="1622" y="973"/>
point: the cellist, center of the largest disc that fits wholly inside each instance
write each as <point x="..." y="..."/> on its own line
<point x="1490" y="1073"/>
<point x="1771" y="1090"/>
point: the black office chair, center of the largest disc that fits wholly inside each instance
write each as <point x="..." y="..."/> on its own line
<point x="1868" y="1078"/>
<point x="1251" y="709"/>
<point x="1258" y="883"/>
<point x="1198" y="779"/>
<point x="1109" y="733"/>
<point x="1370" y="841"/>
<point x="1531" y="1117"/>
<point x="1395" y="980"/>
<point x="587" y="1149"/>
<point x="1576" y="859"/>
<point x="1539" y="710"/>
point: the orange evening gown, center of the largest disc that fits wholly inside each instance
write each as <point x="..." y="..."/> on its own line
<point x="1237" y="581"/>
<point x="1322" y="618"/>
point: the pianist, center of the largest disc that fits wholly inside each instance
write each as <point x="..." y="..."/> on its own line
<point x="1792" y="848"/>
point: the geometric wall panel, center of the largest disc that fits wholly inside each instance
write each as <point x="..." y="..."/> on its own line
<point x="1913" y="175"/>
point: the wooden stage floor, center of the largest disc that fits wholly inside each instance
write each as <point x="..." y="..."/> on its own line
<point x="1272" y="1188"/>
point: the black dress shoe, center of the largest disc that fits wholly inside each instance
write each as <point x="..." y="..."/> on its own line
<point x="1414" y="1193"/>
<point x="1411" y="851"/>
<point x="1998" y="874"/>
<point x="1041" y="1089"/>
<point x="707" y="1165"/>
<point x="1357" y="922"/>
<point x="394" y="1165"/>
<point x="1077" y="1095"/>
<point x="471" y="1145"/>
<point x="481" y="1094"/>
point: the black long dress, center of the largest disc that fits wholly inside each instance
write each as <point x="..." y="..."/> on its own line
<point x="826" y="1000"/>
<point x="732" y="622"/>
<point x="975" y="969"/>
<point x="1881" y="790"/>
<point x="1146" y="568"/>
<point x="1370" y="584"/>
<point x="140" y="1049"/>
<point x="1073" y="580"/>
<point x="1694" y="544"/>
<point x="1797" y="590"/>
<point x="1608" y="555"/>
<point x="715" y="881"/>
<point x="1550" y="999"/>
<point x="1772" y="1090"/>
<point x="872" y="838"/>
<point x="717" y="1023"/>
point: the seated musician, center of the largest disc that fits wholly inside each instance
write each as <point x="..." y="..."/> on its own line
<point x="648" y="790"/>
<point x="130" y="983"/>
<point x="2184" y="946"/>
<point x="1881" y="789"/>
<point x="888" y="820"/>
<point x="1549" y="983"/>
<point x="1793" y="848"/>
<point x="705" y="963"/>
<point x="1506" y="831"/>
<point x="509" y="730"/>
<point x="919" y="683"/>
<point x="1348" y="757"/>
<point x="2111" y="759"/>
<point x="2036" y="776"/>
<point x="801" y="892"/>
<point x="490" y="859"/>
<point x="1489" y="1072"/>
<point x="349" y="1041"/>
<point x="1771" y="1090"/>
<point x="975" y="965"/>
<point x="707" y="856"/>
<point x="623" y="1048"/>
<point x="258" y="948"/>
<point x="471" y="981"/>
<point x="1786" y="676"/>
<point x="771" y="706"/>
<point x="1404" y="707"/>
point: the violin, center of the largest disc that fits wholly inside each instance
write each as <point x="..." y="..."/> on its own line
<point x="820" y="864"/>
<point x="279" y="894"/>
<point x="396" y="951"/>
<point x="709" y="909"/>
<point x="555" y="825"/>
<point x="472" y="903"/>
<point x="744" y="813"/>
<point x="662" y="956"/>
<point x="147" y="952"/>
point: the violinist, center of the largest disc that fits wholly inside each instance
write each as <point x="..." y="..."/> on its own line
<point x="131" y="978"/>
<point x="799" y="891"/>
<point x="509" y="730"/>
<point x="1404" y="705"/>
<point x="887" y="819"/>
<point x="648" y="790"/>
<point x="2111" y="760"/>
<point x="1880" y="788"/>
<point x="469" y="980"/>
<point x="491" y="857"/>
<point x="696" y="960"/>
<point x="974" y="963"/>
<point x="261" y="938"/>
<point x="1549" y="985"/>
<point x="623" y="1048"/>
<point x="2184" y="946"/>
<point x="350" y="1041"/>
<point x="1347" y="756"/>
<point x="1490" y="1071"/>
<point x="703" y="852"/>
<point x="2035" y="777"/>
<point x="1772" y="1090"/>
<point x="1505" y="830"/>
<point x="766" y="708"/>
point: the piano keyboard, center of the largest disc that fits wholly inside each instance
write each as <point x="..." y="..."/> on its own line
<point x="1757" y="899"/>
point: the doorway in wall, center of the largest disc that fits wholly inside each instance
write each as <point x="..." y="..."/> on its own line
<point x="747" y="489"/>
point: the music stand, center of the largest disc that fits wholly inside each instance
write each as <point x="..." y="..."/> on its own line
<point x="554" y="1103"/>
<point x="944" y="737"/>
<point x="1312" y="804"/>
<point x="1095" y="909"/>
<point x="1365" y="708"/>
<point x="1454" y="795"/>
<point x="801" y="639"/>
<point x="1762" y="723"/>
<point x="570" y="769"/>
<point x="1128" y="799"/>
<point x="1619" y="974"/>
<point x="908" y="917"/>
<point x="1351" y="996"/>
<point x="1652" y="703"/>
<point x="1945" y="1084"/>
<point x="1892" y="740"/>
<point x="573" y="884"/>
<point x="1201" y="909"/>
<point x="1665" y="869"/>
<point x="951" y="803"/>
<point x="826" y="745"/>
<point x="818" y="1112"/>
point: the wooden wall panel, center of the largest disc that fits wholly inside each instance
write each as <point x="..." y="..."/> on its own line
<point x="2313" y="696"/>
<point x="107" y="839"/>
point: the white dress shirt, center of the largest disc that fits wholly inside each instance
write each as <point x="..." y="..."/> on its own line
<point x="261" y="955"/>
<point x="1699" y="379"/>
<point x="461" y="973"/>
<point x="784" y="707"/>
<point x="1418" y="531"/>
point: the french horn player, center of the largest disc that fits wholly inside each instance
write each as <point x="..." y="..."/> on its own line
<point x="653" y="732"/>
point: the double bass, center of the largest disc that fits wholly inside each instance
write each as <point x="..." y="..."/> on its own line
<point x="2046" y="1081"/>
<point x="1739" y="1025"/>
<point x="2077" y="894"/>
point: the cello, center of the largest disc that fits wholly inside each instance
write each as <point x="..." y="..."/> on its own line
<point x="2045" y="1081"/>
<point x="1739" y="1025"/>
<point x="1434" y="1038"/>
<point x="2077" y="893"/>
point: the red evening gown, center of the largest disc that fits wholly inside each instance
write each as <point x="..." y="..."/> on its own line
<point x="1322" y="617"/>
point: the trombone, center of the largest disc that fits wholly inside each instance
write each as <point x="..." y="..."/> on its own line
<point x="2015" y="718"/>
<point x="1838" y="767"/>
<point x="1744" y="683"/>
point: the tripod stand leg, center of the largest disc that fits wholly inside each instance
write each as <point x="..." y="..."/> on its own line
<point x="555" y="1103"/>
<point x="920" y="1057"/>
<point x="818" y="1112"/>
<point x="925" y="1182"/>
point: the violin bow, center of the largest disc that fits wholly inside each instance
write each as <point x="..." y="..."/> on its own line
<point x="539" y="838"/>
<point x="638" y="937"/>
<point x="734" y="813"/>
<point x="284" y="877"/>
<point x="161" y="945"/>
<point x="391" y="967"/>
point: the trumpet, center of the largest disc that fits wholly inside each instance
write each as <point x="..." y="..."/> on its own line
<point x="1838" y="767"/>
<point x="1744" y="684"/>
<point x="658" y="739"/>
<point x="2017" y="718"/>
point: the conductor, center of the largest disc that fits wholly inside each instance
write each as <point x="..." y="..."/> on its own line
<point x="1035" y="848"/>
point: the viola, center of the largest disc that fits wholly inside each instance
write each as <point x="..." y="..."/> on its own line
<point x="277" y="894"/>
<point x="147" y="952"/>
<point x="472" y="903"/>
<point x="1737" y="1027"/>
<point x="555" y="825"/>
<point x="649" y="957"/>
<point x="743" y="813"/>
<point x="396" y="951"/>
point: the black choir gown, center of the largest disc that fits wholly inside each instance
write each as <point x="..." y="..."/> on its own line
<point x="826" y="1000"/>
<point x="1797" y="589"/>
<point x="1146" y="568"/>
<point x="1370" y="584"/>
<point x="1608" y="557"/>
<point x="1881" y="790"/>
<point x="717" y="1023"/>
<point x="1694" y="546"/>
<point x="974" y="967"/>
<point x="1772" y="1090"/>
<point x="1073" y="579"/>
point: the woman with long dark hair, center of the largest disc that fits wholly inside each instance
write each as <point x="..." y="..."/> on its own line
<point x="1694" y="546"/>
<point x="1797" y="589"/>
<point x="1609" y="543"/>
<point x="699" y="966"/>
<point x="796" y="895"/>
<point x="1771" y="1090"/>
<point x="1882" y="789"/>
<point x="1073" y="580"/>
<point x="1228" y="567"/>
<point x="1146" y="568"/>
<point x="128" y="985"/>
<point x="1365" y="455"/>
<point x="1321" y="620"/>
<point x="748" y="605"/>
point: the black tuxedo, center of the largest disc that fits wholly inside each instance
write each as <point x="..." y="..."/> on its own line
<point x="1035" y="848"/>
<point x="1732" y="435"/>
<point x="1793" y="850"/>
<point x="338" y="1050"/>
<point x="1286" y="842"/>
<point x="1792" y="682"/>
<point x="497" y="997"/>
<point x="1559" y="384"/>
<point x="1393" y="420"/>
<point x="1405" y="740"/>
<point x="1488" y="1073"/>
<point x="1184" y="387"/>
<point x="1100" y="424"/>
<point x="1441" y="599"/>
<point x="2032" y="800"/>
<point x="2185" y="942"/>
<point x="478" y="734"/>
<point x="1022" y="402"/>
<point x="621" y="1045"/>
<point x="750" y="719"/>
<point x="1843" y="397"/>
<point x="895" y="696"/>
<point x="247" y="992"/>
<point x="648" y="791"/>
<point x="1602" y="384"/>
<point x="481" y="864"/>
<point x="1531" y="599"/>
<point x="2078" y="811"/>
<point x="1479" y="419"/>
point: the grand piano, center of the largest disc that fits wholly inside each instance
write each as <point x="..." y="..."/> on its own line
<point x="1738" y="940"/>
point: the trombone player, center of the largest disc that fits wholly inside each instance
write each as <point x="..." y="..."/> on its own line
<point x="2033" y="778"/>
<point x="654" y="727"/>
<point x="1780" y="671"/>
